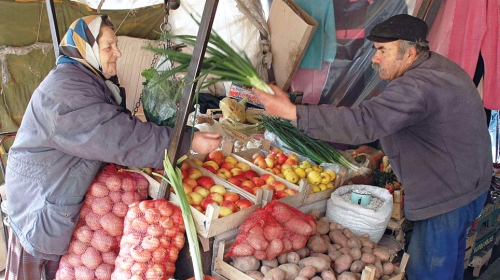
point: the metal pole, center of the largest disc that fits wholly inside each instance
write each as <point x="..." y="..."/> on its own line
<point x="424" y="9"/>
<point x="54" y="29"/>
<point x="188" y="92"/>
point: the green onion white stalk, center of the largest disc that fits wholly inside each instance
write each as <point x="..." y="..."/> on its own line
<point x="174" y="178"/>
<point x="222" y="62"/>
<point x="317" y="151"/>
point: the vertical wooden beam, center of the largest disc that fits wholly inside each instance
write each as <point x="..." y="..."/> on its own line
<point x="188" y="92"/>
<point x="54" y="29"/>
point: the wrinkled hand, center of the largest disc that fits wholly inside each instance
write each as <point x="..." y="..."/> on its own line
<point x="205" y="142"/>
<point x="278" y="104"/>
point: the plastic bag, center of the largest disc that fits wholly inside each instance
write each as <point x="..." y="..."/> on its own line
<point x="94" y="247"/>
<point x="159" y="100"/>
<point x="152" y="238"/>
<point x="275" y="229"/>
<point x="233" y="109"/>
<point x="357" y="218"/>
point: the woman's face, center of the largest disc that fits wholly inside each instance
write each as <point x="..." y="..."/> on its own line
<point x="108" y="51"/>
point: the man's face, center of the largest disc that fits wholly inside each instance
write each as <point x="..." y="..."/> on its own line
<point x="388" y="62"/>
<point x="108" y="51"/>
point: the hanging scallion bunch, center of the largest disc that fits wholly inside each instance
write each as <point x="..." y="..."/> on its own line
<point x="221" y="62"/>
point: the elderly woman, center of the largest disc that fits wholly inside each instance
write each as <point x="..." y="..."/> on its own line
<point x="74" y="123"/>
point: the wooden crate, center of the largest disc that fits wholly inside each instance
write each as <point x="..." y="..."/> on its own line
<point x="222" y="269"/>
<point x="293" y="200"/>
<point x="209" y="224"/>
<point x="397" y="205"/>
<point x="369" y="271"/>
<point x="303" y="184"/>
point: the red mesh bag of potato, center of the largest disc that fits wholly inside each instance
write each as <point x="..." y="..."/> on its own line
<point x="152" y="238"/>
<point x="94" y="245"/>
<point x="275" y="229"/>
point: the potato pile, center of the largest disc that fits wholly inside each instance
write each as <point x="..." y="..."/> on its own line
<point x="333" y="252"/>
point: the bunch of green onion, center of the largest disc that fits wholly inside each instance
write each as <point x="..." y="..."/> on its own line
<point x="174" y="178"/>
<point x="222" y="63"/>
<point x="317" y="151"/>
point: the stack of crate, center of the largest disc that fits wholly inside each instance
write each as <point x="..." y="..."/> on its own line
<point x="483" y="238"/>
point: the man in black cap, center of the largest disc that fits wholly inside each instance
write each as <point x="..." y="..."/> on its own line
<point x="431" y="124"/>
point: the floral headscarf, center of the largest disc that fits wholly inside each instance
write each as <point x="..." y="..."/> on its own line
<point x="79" y="45"/>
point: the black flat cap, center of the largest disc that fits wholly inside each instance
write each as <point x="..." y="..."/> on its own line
<point x="399" y="27"/>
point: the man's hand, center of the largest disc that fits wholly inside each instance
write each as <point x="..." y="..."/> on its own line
<point x="205" y="142"/>
<point x="278" y="104"/>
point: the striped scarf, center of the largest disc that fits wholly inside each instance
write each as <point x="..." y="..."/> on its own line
<point x="79" y="45"/>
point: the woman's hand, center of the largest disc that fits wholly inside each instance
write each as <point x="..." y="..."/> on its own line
<point x="205" y="142"/>
<point x="278" y="104"/>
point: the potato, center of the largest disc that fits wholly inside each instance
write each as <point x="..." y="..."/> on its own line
<point x="328" y="275"/>
<point x="275" y="274"/>
<point x="335" y="226"/>
<point x="326" y="239"/>
<point x="348" y="233"/>
<point x="355" y="253"/>
<point x="388" y="268"/>
<point x="368" y="258"/>
<point x="291" y="270"/>
<point x="346" y="275"/>
<point x="354" y="242"/>
<point x="319" y="263"/>
<point x="337" y="246"/>
<point x="247" y="263"/>
<point x="342" y="263"/>
<point x="357" y="266"/>
<point x="271" y="263"/>
<point x="308" y="271"/>
<point x="255" y="274"/>
<point x="301" y="278"/>
<point x="380" y="269"/>
<point x="316" y="244"/>
<point x="367" y="250"/>
<point x="335" y="255"/>
<point x="304" y="252"/>
<point x="326" y="257"/>
<point x="323" y="226"/>
<point x="338" y="238"/>
<point x="293" y="257"/>
<point x="345" y="250"/>
<point x="282" y="258"/>
<point x="366" y="242"/>
<point x="330" y="248"/>
<point x="382" y="254"/>
<point x="264" y="269"/>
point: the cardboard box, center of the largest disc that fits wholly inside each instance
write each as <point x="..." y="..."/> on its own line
<point x="291" y="30"/>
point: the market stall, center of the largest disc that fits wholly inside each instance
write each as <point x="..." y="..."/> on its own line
<point x="270" y="202"/>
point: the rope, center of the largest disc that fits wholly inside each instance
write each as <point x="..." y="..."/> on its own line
<point x="39" y="21"/>
<point x="126" y="16"/>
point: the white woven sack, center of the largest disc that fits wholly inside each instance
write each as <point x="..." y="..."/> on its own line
<point x="358" y="218"/>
